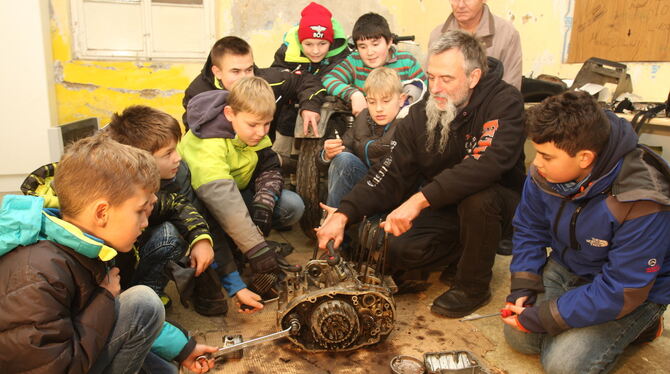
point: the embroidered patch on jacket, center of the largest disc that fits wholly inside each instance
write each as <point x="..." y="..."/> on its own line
<point x="384" y="168"/>
<point x="653" y="266"/>
<point x="474" y="147"/>
<point x="597" y="242"/>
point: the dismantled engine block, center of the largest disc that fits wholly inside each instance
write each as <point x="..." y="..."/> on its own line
<point x="341" y="304"/>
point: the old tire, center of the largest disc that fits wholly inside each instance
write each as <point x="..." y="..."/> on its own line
<point x="307" y="185"/>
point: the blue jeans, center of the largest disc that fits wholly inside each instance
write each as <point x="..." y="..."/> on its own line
<point x="288" y="210"/>
<point x="139" y="320"/>
<point x="156" y="246"/>
<point x="591" y="349"/>
<point x="345" y="170"/>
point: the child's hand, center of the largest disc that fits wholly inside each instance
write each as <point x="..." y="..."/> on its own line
<point x="310" y="118"/>
<point x="332" y="148"/>
<point x="517" y="309"/>
<point x="199" y="366"/>
<point x="358" y="103"/>
<point x="244" y="296"/>
<point x="112" y="282"/>
<point x="202" y="255"/>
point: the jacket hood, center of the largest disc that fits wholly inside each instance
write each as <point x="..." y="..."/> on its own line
<point x="205" y="117"/>
<point x="294" y="48"/>
<point x="621" y="141"/>
<point x="23" y="222"/>
<point x="486" y="84"/>
<point x="644" y="175"/>
<point x="415" y="90"/>
<point x="206" y="71"/>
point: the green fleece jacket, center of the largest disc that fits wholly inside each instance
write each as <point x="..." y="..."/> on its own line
<point x="222" y="165"/>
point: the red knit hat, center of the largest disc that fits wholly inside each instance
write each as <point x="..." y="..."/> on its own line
<point x="315" y="23"/>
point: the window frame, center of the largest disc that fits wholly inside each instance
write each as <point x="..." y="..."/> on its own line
<point x="83" y="51"/>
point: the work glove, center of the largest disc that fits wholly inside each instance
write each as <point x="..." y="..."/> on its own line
<point x="521" y="292"/>
<point x="263" y="260"/>
<point x="262" y="217"/>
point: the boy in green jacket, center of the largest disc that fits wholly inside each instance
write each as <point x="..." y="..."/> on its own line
<point x="235" y="173"/>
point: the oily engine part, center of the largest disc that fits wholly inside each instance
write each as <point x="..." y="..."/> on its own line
<point x="341" y="304"/>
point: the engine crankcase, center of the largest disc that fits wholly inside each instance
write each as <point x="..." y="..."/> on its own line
<point x="339" y="309"/>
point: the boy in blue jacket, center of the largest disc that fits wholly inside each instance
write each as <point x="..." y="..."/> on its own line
<point x="62" y="305"/>
<point x="601" y="203"/>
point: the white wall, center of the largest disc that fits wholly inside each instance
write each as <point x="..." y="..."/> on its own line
<point x="27" y="96"/>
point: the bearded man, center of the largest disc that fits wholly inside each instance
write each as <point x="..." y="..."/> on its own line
<point x="452" y="179"/>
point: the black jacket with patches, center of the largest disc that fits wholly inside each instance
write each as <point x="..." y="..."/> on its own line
<point x="485" y="146"/>
<point x="304" y="89"/>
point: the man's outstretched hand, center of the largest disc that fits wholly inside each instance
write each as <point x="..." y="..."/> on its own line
<point x="332" y="227"/>
<point x="400" y="219"/>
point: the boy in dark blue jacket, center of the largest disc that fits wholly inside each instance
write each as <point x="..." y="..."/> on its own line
<point x="601" y="202"/>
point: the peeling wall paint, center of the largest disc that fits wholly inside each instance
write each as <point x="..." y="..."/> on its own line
<point x="87" y="88"/>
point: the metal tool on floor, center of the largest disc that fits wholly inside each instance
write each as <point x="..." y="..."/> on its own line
<point x="504" y="313"/>
<point x="453" y="362"/>
<point x="293" y="329"/>
<point x="449" y="362"/>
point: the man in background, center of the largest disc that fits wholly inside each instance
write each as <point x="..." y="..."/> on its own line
<point x="501" y="40"/>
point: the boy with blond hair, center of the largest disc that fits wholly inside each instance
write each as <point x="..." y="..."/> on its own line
<point x="62" y="304"/>
<point x="374" y="48"/>
<point x="139" y="125"/>
<point x="235" y="173"/>
<point x="369" y="139"/>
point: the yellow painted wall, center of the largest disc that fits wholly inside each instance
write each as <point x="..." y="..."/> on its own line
<point x="88" y="88"/>
<point x="99" y="88"/>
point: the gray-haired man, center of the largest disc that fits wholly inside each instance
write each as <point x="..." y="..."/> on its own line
<point x="462" y="146"/>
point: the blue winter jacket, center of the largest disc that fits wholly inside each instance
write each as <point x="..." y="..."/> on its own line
<point x="615" y="234"/>
<point x="55" y="316"/>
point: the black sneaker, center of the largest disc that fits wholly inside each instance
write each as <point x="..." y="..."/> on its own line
<point x="650" y="333"/>
<point x="456" y="303"/>
<point x="210" y="307"/>
<point x="208" y="297"/>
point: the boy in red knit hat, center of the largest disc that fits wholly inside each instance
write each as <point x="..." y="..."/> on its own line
<point x="313" y="46"/>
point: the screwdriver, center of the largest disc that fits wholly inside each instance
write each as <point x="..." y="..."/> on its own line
<point x="504" y="313"/>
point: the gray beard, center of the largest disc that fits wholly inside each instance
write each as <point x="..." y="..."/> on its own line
<point x="438" y="117"/>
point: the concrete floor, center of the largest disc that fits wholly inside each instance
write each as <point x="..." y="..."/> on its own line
<point x="416" y="332"/>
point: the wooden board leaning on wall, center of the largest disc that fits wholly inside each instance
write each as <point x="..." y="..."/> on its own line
<point x="620" y="30"/>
